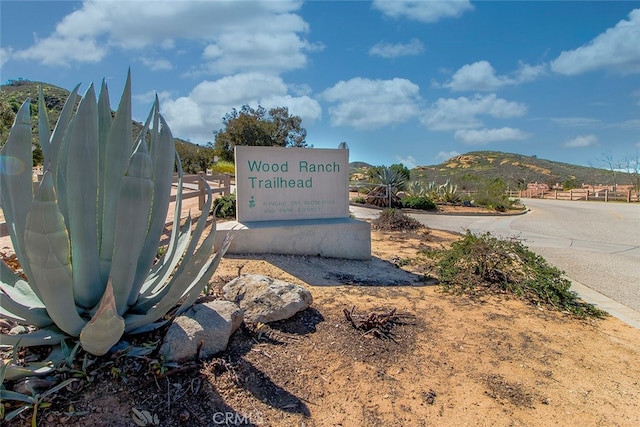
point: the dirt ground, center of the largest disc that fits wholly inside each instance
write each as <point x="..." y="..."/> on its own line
<point x="447" y="361"/>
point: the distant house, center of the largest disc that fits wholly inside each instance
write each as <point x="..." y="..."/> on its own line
<point x="536" y="189"/>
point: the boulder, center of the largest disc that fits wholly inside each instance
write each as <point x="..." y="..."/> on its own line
<point x="212" y="323"/>
<point x="264" y="299"/>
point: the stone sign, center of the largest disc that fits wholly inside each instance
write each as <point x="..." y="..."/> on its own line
<point x="277" y="183"/>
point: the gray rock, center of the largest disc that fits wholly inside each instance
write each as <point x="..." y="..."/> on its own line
<point x="212" y="323"/>
<point x="264" y="299"/>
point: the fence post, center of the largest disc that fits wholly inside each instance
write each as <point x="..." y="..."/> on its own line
<point x="227" y="185"/>
<point x="606" y="195"/>
<point x="200" y="190"/>
<point x="629" y="196"/>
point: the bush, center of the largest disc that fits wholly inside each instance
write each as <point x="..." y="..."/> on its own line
<point x="395" y="220"/>
<point x="359" y="199"/>
<point x="225" y="206"/>
<point x="423" y="203"/>
<point x="477" y="264"/>
<point x="492" y="195"/>
<point x="224" y="167"/>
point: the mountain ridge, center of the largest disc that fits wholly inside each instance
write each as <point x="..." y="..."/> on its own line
<point x="516" y="170"/>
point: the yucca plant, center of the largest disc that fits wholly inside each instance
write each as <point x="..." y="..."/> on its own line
<point x="449" y="193"/>
<point x="87" y="237"/>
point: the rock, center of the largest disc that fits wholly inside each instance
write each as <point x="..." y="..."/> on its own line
<point x="212" y="323"/>
<point x="264" y="299"/>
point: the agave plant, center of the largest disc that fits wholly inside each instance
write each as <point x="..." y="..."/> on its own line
<point x="449" y="193"/>
<point x="88" y="236"/>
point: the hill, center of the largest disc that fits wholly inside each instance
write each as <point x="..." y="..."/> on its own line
<point x="515" y="170"/>
<point x="194" y="157"/>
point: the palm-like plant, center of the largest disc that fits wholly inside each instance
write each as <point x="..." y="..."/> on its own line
<point x="87" y="237"/>
<point x="386" y="182"/>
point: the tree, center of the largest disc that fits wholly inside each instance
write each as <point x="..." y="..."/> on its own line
<point x="256" y="127"/>
<point x="631" y="163"/>
<point x="612" y="165"/>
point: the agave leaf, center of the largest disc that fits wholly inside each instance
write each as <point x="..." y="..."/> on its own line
<point x="117" y="153"/>
<point x="45" y="336"/>
<point x="15" y="372"/>
<point x="161" y="270"/>
<point x="156" y="285"/>
<point x="19" y="302"/>
<point x="51" y="156"/>
<point x="23" y="314"/>
<point x="8" y="276"/>
<point x="136" y="197"/>
<point x="192" y="294"/>
<point x="161" y="287"/>
<point x="105" y="328"/>
<point x="47" y="248"/>
<point x="104" y="127"/>
<point x="44" y="133"/>
<point x="16" y="188"/>
<point x="193" y="272"/>
<point x="82" y="184"/>
<point x="21" y="292"/>
<point x="163" y="154"/>
<point x="60" y="176"/>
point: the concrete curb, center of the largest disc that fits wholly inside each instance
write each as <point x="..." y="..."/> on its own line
<point x="418" y="211"/>
<point x="603" y="302"/>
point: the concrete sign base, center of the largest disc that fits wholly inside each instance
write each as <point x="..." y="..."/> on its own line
<point x="333" y="238"/>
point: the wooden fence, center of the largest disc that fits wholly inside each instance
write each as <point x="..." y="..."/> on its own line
<point x="578" y="194"/>
<point x="191" y="187"/>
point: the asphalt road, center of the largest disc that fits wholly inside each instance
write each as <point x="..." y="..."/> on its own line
<point x="596" y="244"/>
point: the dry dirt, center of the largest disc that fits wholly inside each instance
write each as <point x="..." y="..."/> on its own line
<point x="448" y="361"/>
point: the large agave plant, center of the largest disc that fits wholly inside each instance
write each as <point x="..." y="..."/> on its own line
<point x="87" y="237"/>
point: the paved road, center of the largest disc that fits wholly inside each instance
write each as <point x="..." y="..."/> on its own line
<point x="597" y="245"/>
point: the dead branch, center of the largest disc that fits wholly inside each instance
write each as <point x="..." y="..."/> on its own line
<point x="378" y="324"/>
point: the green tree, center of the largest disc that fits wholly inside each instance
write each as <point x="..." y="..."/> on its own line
<point x="257" y="127"/>
<point x="194" y="158"/>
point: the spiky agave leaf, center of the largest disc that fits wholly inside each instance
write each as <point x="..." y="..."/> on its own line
<point x="47" y="247"/>
<point x="106" y="327"/>
<point x="16" y="188"/>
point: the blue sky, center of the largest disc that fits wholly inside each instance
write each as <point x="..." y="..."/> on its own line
<point x="415" y="82"/>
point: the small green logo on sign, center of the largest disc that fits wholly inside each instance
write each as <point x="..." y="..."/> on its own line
<point x="252" y="202"/>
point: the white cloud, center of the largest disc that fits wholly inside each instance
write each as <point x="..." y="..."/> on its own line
<point x="582" y="141"/>
<point x="4" y="56"/>
<point x="446" y="155"/>
<point x="389" y="50"/>
<point x="485" y="136"/>
<point x="481" y="76"/>
<point x="200" y="113"/>
<point x="234" y="35"/>
<point x="409" y="161"/>
<point x="157" y="64"/>
<point x="617" y="49"/>
<point x="528" y="73"/>
<point x="60" y="51"/>
<point x="463" y="112"/>
<point x="263" y="51"/>
<point x="423" y="11"/>
<point x="370" y="104"/>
